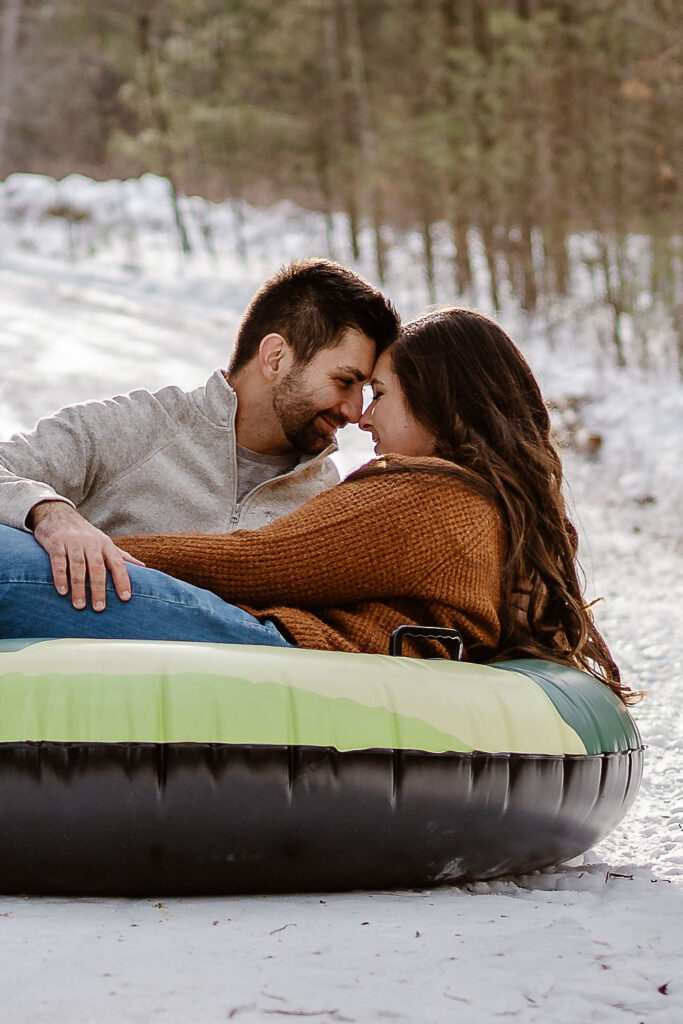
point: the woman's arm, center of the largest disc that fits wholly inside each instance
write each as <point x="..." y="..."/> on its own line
<point x="360" y="540"/>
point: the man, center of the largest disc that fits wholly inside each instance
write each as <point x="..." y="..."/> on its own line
<point x="249" y="446"/>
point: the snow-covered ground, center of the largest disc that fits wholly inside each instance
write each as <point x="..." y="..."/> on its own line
<point x="106" y="304"/>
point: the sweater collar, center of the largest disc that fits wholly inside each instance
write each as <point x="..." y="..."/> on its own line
<point x="221" y="406"/>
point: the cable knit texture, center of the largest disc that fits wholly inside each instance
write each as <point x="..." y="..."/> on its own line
<point x="348" y="567"/>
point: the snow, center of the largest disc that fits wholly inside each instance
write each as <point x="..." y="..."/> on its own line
<point x="102" y="303"/>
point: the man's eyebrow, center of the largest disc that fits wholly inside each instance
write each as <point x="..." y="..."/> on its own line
<point x="352" y="371"/>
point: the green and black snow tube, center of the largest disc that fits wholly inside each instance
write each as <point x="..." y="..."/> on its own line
<point x="136" y="768"/>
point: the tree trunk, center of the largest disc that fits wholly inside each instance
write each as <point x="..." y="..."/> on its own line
<point x="462" y="264"/>
<point x="366" y="130"/>
<point x="428" y="245"/>
<point x="529" y="197"/>
<point x="323" y="170"/>
<point x="339" y="128"/>
<point x="10" y="36"/>
<point x="488" y="211"/>
<point x="452" y="25"/>
<point x="160" y="121"/>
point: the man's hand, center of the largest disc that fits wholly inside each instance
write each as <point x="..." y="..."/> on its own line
<point x="79" y="552"/>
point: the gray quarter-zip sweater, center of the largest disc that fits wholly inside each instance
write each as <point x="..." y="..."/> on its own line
<point x="146" y="462"/>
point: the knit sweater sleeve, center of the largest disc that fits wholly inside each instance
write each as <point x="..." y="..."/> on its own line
<point x="365" y="539"/>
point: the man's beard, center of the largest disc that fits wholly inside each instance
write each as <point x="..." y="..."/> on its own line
<point x="300" y="418"/>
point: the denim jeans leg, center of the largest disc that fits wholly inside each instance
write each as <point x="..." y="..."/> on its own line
<point x="161" y="607"/>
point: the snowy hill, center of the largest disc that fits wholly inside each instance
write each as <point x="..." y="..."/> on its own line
<point x="95" y="300"/>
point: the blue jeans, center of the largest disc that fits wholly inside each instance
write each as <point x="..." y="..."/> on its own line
<point x="160" y="608"/>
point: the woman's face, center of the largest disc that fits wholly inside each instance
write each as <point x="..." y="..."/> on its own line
<point x="388" y="419"/>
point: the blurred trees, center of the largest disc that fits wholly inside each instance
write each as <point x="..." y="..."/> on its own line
<point x="525" y="121"/>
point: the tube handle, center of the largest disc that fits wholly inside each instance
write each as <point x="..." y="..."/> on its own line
<point x="450" y="636"/>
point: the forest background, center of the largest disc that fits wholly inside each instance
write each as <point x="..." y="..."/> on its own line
<point x="535" y="135"/>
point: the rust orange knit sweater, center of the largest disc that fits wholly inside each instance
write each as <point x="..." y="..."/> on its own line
<point x="357" y="561"/>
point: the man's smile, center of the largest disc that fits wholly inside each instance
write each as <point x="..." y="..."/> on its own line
<point x="331" y="422"/>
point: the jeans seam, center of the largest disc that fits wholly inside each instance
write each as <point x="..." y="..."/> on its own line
<point x="110" y="590"/>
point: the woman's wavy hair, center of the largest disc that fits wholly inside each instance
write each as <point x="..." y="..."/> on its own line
<point x="466" y="381"/>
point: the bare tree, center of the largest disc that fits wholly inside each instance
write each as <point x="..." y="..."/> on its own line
<point x="10" y="36"/>
<point x="368" y="147"/>
<point x="159" y="117"/>
<point x="337" y="128"/>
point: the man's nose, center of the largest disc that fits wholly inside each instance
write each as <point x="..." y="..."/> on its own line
<point x="352" y="406"/>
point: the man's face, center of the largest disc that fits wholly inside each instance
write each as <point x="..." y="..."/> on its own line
<point x="313" y="401"/>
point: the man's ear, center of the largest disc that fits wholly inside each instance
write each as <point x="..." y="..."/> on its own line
<point x="275" y="356"/>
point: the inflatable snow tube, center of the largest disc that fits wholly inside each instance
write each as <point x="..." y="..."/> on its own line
<point x="138" y="768"/>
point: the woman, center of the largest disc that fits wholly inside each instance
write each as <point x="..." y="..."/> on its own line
<point x="462" y="509"/>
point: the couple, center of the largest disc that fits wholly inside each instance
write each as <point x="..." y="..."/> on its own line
<point x="229" y="492"/>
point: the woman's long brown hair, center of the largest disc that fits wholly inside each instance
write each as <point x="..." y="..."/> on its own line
<point x="465" y="380"/>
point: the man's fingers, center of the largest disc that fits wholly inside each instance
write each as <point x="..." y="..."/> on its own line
<point x="80" y="554"/>
<point x="119" y="573"/>
<point x="130" y="558"/>
<point x="60" y="573"/>
<point x="97" y="574"/>
<point x="77" y="574"/>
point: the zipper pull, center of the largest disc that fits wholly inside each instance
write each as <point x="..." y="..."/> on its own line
<point x="235" y="514"/>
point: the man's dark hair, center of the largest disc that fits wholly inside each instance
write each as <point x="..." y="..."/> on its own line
<point x="311" y="303"/>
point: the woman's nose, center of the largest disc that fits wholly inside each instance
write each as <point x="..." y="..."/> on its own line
<point x="365" y="422"/>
